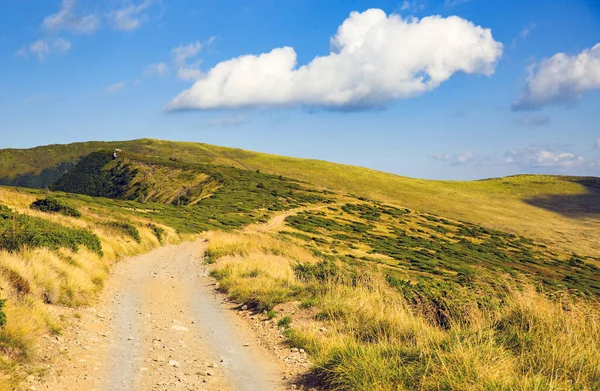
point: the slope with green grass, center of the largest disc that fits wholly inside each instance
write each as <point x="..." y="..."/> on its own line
<point x="562" y="211"/>
<point x="424" y="284"/>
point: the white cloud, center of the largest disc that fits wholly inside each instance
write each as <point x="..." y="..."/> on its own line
<point x="181" y="56"/>
<point x="67" y="19"/>
<point x="560" y="79"/>
<point x="544" y="156"/>
<point x="44" y="47"/>
<point x="412" y="6"/>
<point x="534" y="120"/>
<point x="456" y="160"/>
<point x="526" y="31"/>
<point x="452" y="3"/>
<point x="130" y="17"/>
<point x="598" y="143"/>
<point x="115" y="87"/>
<point x="231" y="120"/>
<point x="158" y="69"/>
<point x="441" y="156"/>
<point x="374" y="59"/>
<point x="182" y="53"/>
<point x="465" y="158"/>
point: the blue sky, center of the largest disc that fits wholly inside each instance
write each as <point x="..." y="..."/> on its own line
<point x="487" y="88"/>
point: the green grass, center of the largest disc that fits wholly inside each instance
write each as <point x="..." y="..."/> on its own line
<point x="497" y="203"/>
<point x="418" y="246"/>
<point x="19" y="230"/>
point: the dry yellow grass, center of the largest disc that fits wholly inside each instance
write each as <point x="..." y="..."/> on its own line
<point x="376" y="340"/>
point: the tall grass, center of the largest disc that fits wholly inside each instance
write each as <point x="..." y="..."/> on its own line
<point x="375" y="339"/>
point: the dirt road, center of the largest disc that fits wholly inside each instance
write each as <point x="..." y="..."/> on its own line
<point x="160" y="326"/>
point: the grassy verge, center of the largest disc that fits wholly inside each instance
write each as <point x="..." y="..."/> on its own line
<point x="366" y="334"/>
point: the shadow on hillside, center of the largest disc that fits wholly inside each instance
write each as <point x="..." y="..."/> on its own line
<point x="573" y="205"/>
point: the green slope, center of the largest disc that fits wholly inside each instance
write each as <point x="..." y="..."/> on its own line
<point x="559" y="210"/>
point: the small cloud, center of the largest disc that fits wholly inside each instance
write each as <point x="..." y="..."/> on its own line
<point x="452" y="3"/>
<point x="534" y="120"/>
<point x="34" y="98"/>
<point x="231" y="120"/>
<point x="544" y="156"/>
<point x="560" y="79"/>
<point x="130" y="17"/>
<point x="523" y="34"/>
<point x="465" y="158"/>
<point x="526" y="31"/>
<point x="115" y="87"/>
<point x="413" y="6"/>
<point x="456" y="160"/>
<point x="182" y="55"/>
<point x="158" y="69"/>
<point x="68" y="19"/>
<point x="441" y="156"/>
<point x="597" y="143"/>
<point x="44" y="47"/>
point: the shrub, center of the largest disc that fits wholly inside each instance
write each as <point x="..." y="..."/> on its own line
<point x="126" y="228"/>
<point x="50" y="205"/>
<point x="2" y="314"/>
<point x="18" y="230"/>
<point x="285" y="322"/>
<point x="157" y="231"/>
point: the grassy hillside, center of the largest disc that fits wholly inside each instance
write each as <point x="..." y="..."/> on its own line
<point x="418" y="284"/>
<point x="562" y="211"/>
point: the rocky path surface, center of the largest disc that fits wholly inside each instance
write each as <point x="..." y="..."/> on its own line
<point x="160" y="326"/>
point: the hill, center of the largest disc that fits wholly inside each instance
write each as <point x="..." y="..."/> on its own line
<point x="424" y="284"/>
<point x="562" y="211"/>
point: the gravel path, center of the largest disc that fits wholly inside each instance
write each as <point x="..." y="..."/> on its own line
<point x="160" y="326"/>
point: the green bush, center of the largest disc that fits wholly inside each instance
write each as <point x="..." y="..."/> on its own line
<point x="157" y="231"/>
<point x="2" y="314"/>
<point x="285" y="322"/>
<point x="126" y="228"/>
<point x="18" y="230"/>
<point x="50" y="205"/>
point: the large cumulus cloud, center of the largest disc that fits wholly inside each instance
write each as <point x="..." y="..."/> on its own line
<point x="374" y="58"/>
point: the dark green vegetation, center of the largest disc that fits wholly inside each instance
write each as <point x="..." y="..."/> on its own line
<point x="45" y="178"/>
<point x="54" y="205"/>
<point x="126" y="228"/>
<point x="157" y="231"/>
<point x="19" y="230"/>
<point x="91" y="176"/>
<point x="234" y="197"/>
<point x="2" y="314"/>
<point x="422" y="253"/>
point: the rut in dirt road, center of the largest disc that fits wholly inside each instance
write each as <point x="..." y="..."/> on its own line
<point x="165" y="329"/>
